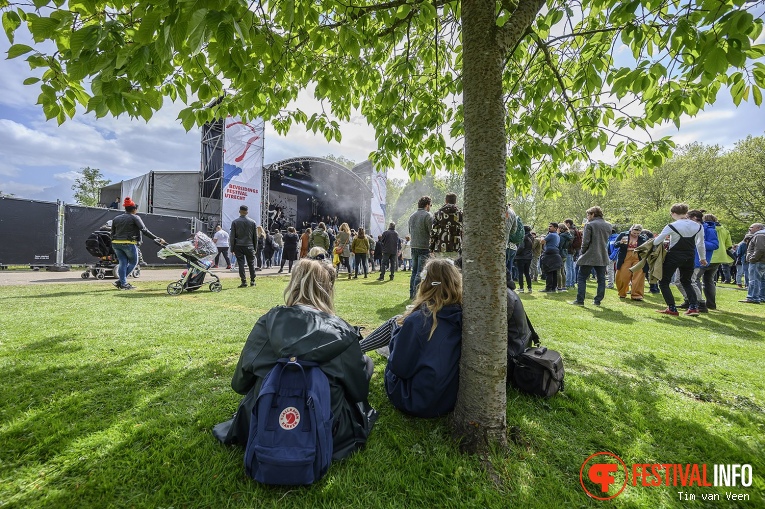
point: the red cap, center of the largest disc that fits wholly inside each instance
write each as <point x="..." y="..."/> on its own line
<point x="129" y="203"/>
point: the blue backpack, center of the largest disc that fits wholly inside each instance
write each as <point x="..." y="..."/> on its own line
<point x="290" y="441"/>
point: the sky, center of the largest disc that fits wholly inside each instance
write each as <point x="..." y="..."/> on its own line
<point x="39" y="159"/>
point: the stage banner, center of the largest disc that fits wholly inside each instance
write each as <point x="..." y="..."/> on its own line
<point x="242" y="169"/>
<point x="379" y="195"/>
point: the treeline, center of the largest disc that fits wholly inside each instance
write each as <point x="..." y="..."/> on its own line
<point x="729" y="184"/>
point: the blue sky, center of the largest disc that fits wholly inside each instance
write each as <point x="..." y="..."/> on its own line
<point x="39" y="160"/>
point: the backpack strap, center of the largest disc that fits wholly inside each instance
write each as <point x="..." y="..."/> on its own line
<point x="534" y="335"/>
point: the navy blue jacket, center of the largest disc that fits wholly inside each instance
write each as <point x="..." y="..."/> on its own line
<point x="422" y="376"/>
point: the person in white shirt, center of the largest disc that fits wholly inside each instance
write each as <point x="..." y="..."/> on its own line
<point x="221" y="242"/>
<point x="685" y="238"/>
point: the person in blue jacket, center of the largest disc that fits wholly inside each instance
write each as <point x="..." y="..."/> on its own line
<point x="422" y="375"/>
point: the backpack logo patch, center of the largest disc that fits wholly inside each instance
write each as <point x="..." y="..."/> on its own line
<point x="289" y="418"/>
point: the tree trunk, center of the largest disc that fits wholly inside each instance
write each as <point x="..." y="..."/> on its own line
<point x="480" y="415"/>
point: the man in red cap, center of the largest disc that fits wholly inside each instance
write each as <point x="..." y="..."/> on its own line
<point x="126" y="236"/>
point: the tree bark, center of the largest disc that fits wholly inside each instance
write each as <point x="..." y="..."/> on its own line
<point x="479" y="418"/>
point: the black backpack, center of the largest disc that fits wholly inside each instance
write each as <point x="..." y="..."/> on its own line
<point x="537" y="370"/>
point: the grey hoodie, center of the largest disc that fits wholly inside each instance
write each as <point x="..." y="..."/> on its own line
<point x="420" y="223"/>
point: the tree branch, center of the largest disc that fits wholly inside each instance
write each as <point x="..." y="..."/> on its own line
<point x="520" y="20"/>
<point x="569" y="105"/>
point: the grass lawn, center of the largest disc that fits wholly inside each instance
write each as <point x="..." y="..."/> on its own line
<point x="107" y="400"/>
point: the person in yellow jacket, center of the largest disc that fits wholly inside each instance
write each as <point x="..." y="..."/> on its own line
<point x="719" y="256"/>
<point x="726" y="243"/>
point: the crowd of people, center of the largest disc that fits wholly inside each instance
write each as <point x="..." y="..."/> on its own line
<point x="693" y="253"/>
<point x="421" y="375"/>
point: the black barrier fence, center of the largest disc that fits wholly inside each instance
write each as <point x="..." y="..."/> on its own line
<point x="28" y="232"/>
<point x="80" y="222"/>
<point x="32" y="232"/>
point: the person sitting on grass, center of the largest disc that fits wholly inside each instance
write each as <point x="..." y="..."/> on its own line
<point x="307" y="328"/>
<point x="422" y="374"/>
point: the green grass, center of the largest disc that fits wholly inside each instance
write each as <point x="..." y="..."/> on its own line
<point x="108" y="398"/>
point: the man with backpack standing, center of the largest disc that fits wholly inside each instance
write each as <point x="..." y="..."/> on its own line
<point x="514" y="233"/>
<point x="721" y="257"/>
<point x="420" y="224"/>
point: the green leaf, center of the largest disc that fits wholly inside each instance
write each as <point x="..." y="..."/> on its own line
<point x="31" y="81"/>
<point x="43" y="28"/>
<point x="716" y="61"/>
<point x="149" y="24"/>
<point x="86" y="37"/>
<point x="40" y="3"/>
<point x="18" y="50"/>
<point x="11" y="22"/>
<point x="196" y="30"/>
<point x="757" y="95"/>
<point x="403" y="11"/>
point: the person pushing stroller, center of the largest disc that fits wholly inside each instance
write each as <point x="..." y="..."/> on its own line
<point x="126" y="236"/>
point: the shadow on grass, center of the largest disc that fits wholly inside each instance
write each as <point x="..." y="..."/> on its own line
<point x="109" y="289"/>
<point x="98" y="434"/>
<point x="655" y="370"/>
<point x="627" y="416"/>
<point x="737" y="325"/>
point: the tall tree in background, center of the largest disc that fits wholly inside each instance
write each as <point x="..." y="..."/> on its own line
<point x="527" y="92"/>
<point x="88" y="185"/>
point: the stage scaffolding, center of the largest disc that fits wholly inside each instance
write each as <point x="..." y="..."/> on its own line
<point x="212" y="173"/>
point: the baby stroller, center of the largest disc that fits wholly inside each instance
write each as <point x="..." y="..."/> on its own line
<point x="99" y="244"/>
<point x="193" y="252"/>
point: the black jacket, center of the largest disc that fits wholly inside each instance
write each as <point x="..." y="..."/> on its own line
<point x="524" y="248"/>
<point x="244" y="232"/>
<point x="311" y="335"/>
<point x="389" y="241"/>
<point x="129" y="227"/>
<point x="290" y="251"/>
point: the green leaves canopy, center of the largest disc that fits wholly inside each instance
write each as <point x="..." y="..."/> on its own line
<point x="585" y="79"/>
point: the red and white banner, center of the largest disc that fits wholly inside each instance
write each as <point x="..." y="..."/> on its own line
<point x="242" y="169"/>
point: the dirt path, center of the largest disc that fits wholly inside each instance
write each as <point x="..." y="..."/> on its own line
<point x="26" y="277"/>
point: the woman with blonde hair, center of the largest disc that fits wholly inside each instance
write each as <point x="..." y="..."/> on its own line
<point x="343" y="247"/>
<point x="308" y="328"/>
<point x="360" y="248"/>
<point x="260" y="247"/>
<point x="422" y="375"/>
